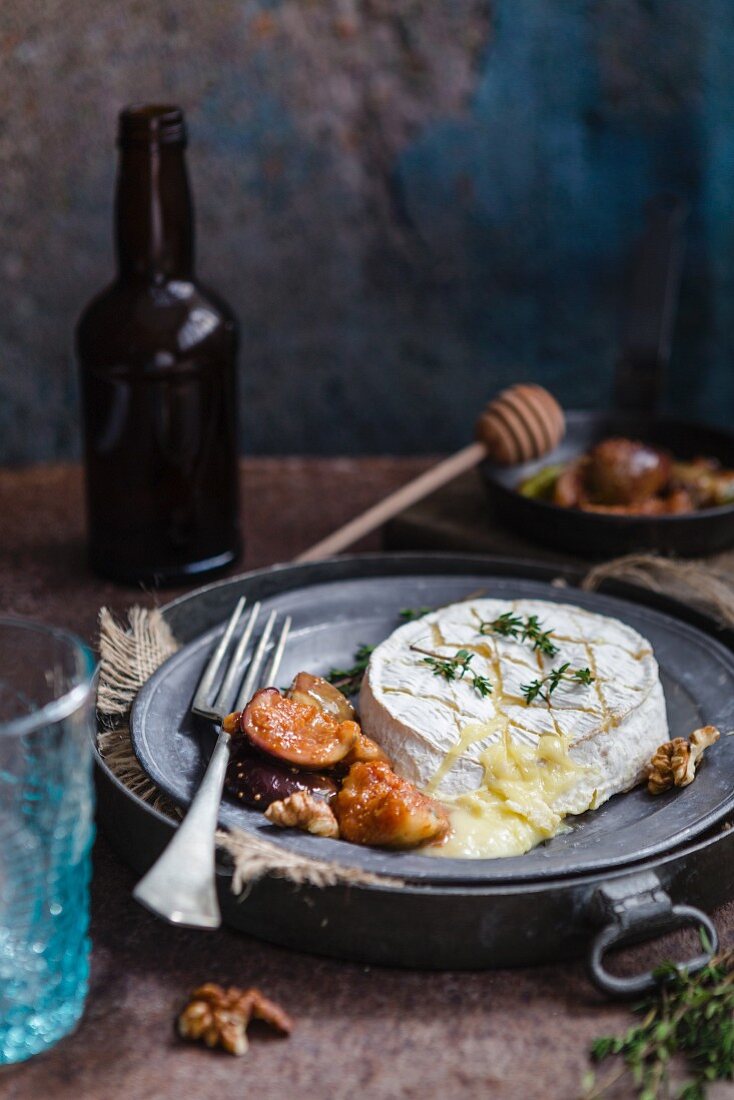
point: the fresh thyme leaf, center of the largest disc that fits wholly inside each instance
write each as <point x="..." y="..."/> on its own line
<point x="447" y="670"/>
<point x="410" y="614"/>
<point x="690" y="1015"/>
<point x="522" y="630"/>
<point x="583" y="676"/>
<point x="349" y="680"/>
<point x="457" y="668"/>
<point x="506" y="625"/>
<point x="555" y="676"/>
<point x="540" y="638"/>
<point x="481" y="685"/>
<point x="545" y="687"/>
<point x="532" y="690"/>
<point x="450" y="668"/>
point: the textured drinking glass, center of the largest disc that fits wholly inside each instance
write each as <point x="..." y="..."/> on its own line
<point x="46" y="828"/>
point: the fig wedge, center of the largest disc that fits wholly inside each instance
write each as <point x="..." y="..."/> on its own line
<point x="317" y="692"/>
<point x="298" y="733"/>
<point x="378" y="808"/>
<point x="364" y="751"/>
<point x="254" y="781"/>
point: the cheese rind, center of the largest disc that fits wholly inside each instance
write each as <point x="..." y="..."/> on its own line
<point x="437" y="731"/>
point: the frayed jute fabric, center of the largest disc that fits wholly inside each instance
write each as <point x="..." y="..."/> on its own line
<point x="705" y="585"/>
<point x="129" y="655"/>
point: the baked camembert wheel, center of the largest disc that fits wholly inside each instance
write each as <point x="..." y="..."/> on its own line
<point x="513" y="734"/>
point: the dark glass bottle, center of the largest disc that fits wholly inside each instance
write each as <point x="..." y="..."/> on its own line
<point x="156" y="354"/>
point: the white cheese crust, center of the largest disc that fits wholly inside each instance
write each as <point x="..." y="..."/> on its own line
<point x="612" y="726"/>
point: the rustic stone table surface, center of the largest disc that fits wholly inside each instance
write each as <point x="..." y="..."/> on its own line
<point x="512" y="1035"/>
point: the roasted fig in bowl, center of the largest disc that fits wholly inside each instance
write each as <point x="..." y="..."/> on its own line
<point x="624" y="471"/>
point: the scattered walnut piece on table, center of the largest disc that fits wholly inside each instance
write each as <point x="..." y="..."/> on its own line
<point x="302" y="810"/>
<point x="674" y="763"/>
<point x="219" y="1017"/>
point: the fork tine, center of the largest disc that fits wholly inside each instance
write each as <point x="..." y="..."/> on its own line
<point x="236" y="668"/>
<point x="202" y="699"/>
<point x="279" y="650"/>
<point x="253" y="672"/>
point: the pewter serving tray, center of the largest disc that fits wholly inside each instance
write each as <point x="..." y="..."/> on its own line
<point x="635" y="854"/>
<point x="330" y="620"/>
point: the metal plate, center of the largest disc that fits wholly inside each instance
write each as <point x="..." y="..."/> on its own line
<point x="331" y="618"/>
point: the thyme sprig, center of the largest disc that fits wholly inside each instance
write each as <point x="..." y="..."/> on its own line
<point x="349" y="680"/>
<point x="410" y="614"/>
<point x="690" y="1015"/>
<point x="456" y="668"/>
<point x="509" y="625"/>
<point x="545" y="687"/>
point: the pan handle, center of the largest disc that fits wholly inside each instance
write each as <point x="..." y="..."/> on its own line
<point x="638" y="908"/>
<point x="652" y="300"/>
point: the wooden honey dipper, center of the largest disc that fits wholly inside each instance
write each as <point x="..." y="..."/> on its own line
<point x="522" y="423"/>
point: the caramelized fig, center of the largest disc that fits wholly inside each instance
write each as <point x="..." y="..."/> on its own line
<point x="257" y="782"/>
<point x="364" y="751"/>
<point x="376" y="807"/>
<point x="299" y="733"/>
<point x="623" y="471"/>
<point x="232" y="724"/>
<point x="317" y="692"/>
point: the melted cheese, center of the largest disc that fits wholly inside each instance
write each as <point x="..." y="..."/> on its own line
<point x="515" y="807"/>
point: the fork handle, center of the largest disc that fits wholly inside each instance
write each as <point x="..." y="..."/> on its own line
<point x="181" y="886"/>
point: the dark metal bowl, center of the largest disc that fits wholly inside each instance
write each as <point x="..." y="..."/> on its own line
<point x="590" y="533"/>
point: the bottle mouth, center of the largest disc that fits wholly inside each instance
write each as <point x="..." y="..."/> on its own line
<point x="152" y="124"/>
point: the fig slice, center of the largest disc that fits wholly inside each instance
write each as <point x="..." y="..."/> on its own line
<point x="378" y="808"/>
<point x="257" y="782"/>
<point x="298" y="733"/>
<point x="315" y="691"/>
<point x="364" y="751"/>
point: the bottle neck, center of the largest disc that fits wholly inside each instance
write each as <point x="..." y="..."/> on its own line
<point x="153" y="213"/>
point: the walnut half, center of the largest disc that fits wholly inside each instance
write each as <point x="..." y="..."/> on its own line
<point x="302" y="811"/>
<point x="219" y="1017"/>
<point x="674" y="763"/>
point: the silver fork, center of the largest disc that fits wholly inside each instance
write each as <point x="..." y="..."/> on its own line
<point x="181" y="884"/>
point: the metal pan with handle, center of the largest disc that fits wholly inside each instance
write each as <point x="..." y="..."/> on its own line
<point x="653" y="867"/>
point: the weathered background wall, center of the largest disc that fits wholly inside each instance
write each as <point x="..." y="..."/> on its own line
<point x="409" y="202"/>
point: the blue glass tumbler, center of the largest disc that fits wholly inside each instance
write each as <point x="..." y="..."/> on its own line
<point x="46" y="831"/>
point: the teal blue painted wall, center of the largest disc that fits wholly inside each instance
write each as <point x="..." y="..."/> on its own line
<point x="409" y="202"/>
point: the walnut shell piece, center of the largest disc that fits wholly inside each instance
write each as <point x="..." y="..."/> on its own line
<point x="219" y="1017"/>
<point x="301" y="810"/>
<point x="674" y="763"/>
